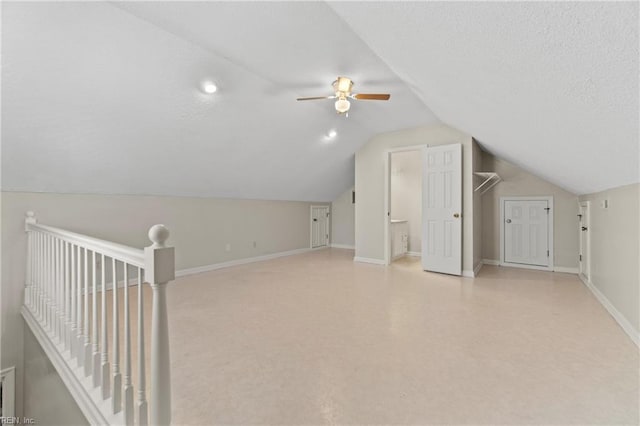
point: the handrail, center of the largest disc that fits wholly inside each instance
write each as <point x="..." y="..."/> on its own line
<point x="121" y="252"/>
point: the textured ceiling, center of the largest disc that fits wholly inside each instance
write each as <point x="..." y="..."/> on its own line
<point x="549" y="86"/>
<point x="105" y="98"/>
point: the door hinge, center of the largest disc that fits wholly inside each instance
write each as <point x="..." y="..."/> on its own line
<point x="327" y="214"/>
<point x="547" y="209"/>
<point x="580" y="256"/>
<point x="547" y="253"/>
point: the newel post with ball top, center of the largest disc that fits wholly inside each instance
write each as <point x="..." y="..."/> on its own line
<point x="159" y="270"/>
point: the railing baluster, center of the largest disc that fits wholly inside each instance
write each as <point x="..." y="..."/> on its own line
<point x="43" y="257"/>
<point x="104" y="355"/>
<point x="116" y="399"/>
<point x="32" y="266"/>
<point x="142" y="395"/>
<point x="52" y="286"/>
<point x="57" y="294"/>
<point x="40" y="277"/>
<point x="64" y="294"/>
<point x="128" y="387"/>
<point x="78" y="285"/>
<point x="49" y="284"/>
<point x="45" y="282"/>
<point x="29" y="270"/>
<point x="94" y="334"/>
<point x="67" y="297"/>
<point x="87" y="333"/>
<point x="60" y="318"/>
<point x="74" y="306"/>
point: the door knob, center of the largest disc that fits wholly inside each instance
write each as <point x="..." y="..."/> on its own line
<point x="584" y="228"/>
<point x="456" y="215"/>
<point x="508" y="220"/>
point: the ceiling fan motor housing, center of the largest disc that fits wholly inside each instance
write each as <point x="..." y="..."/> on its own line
<point x="342" y="86"/>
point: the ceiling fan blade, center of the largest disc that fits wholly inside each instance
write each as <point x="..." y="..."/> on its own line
<point x="372" y="96"/>
<point x="313" y="98"/>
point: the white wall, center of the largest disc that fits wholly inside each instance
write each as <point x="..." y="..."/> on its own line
<point x="47" y="399"/>
<point x="517" y="182"/>
<point x="406" y="194"/>
<point x="200" y="229"/>
<point x="343" y="210"/>
<point x="370" y="186"/>
<point x="615" y="249"/>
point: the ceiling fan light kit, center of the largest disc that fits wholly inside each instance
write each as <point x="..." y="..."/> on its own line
<point x="342" y="88"/>
<point x="342" y="105"/>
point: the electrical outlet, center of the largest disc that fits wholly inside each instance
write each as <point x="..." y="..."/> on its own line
<point x="227" y="247"/>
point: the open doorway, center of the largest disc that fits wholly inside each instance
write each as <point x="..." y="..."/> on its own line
<point x="405" y="202"/>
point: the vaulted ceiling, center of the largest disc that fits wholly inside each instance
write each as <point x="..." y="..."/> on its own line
<point x="106" y="97"/>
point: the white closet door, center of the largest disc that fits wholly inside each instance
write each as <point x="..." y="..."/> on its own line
<point x="526" y="232"/>
<point x="319" y="226"/>
<point x="584" y="240"/>
<point x="442" y="209"/>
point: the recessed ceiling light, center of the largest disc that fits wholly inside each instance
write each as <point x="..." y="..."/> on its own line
<point x="332" y="134"/>
<point x="209" y="87"/>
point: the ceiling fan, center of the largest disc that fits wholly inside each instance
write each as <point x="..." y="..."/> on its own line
<point x="342" y="89"/>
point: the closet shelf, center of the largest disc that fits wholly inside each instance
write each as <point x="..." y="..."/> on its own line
<point x="491" y="179"/>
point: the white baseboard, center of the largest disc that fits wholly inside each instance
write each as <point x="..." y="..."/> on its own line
<point x="491" y="262"/>
<point x="414" y="253"/>
<point x="524" y="266"/>
<point x="369" y="260"/>
<point x="214" y="266"/>
<point x="343" y="246"/>
<point x="566" y="270"/>
<point x="620" y="319"/>
<point x="467" y="274"/>
<point x="476" y="270"/>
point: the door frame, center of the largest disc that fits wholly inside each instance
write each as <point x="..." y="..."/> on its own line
<point x="327" y="226"/>
<point x="386" y="213"/>
<point x="549" y="199"/>
<point x="587" y="206"/>
<point x="8" y="378"/>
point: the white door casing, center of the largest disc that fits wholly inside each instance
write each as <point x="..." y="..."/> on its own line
<point x="585" y="241"/>
<point x="442" y="209"/>
<point x="319" y="226"/>
<point x="526" y="237"/>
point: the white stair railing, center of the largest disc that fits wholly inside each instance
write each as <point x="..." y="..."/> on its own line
<point x="67" y="275"/>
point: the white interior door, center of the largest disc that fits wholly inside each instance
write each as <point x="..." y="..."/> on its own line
<point x="526" y="232"/>
<point x="319" y="226"/>
<point x="584" y="240"/>
<point x="442" y="209"/>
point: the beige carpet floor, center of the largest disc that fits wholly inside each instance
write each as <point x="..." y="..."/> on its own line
<point x="318" y="339"/>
